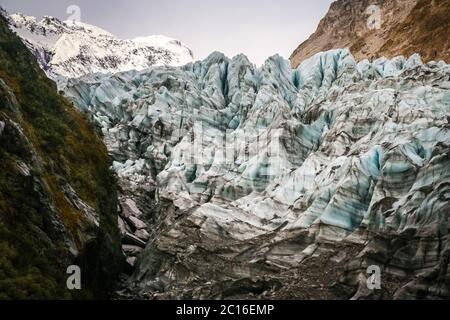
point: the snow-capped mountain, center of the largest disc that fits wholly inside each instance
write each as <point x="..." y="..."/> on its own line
<point x="72" y="49"/>
<point x="277" y="182"/>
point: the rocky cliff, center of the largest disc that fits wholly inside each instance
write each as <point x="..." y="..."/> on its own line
<point x="58" y="197"/>
<point x="372" y="29"/>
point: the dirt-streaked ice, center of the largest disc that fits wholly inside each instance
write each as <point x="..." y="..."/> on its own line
<point x="250" y="158"/>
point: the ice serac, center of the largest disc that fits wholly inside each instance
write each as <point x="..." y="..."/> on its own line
<point x="257" y="175"/>
<point x="72" y="49"/>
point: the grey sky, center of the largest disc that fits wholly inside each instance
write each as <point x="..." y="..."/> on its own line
<point x="257" y="28"/>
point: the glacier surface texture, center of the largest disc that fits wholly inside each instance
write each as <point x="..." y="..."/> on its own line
<point x="235" y="177"/>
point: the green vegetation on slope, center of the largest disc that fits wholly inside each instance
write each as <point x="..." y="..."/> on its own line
<point x="46" y="145"/>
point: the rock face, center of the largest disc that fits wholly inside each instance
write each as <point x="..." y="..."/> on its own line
<point x="58" y="198"/>
<point x="282" y="183"/>
<point x="73" y="49"/>
<point x="372" y="29"/>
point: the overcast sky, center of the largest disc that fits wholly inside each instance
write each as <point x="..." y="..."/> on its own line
<point x="257" y="28"/>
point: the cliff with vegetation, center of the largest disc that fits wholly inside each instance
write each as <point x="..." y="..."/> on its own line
<point x="58" y="203"/>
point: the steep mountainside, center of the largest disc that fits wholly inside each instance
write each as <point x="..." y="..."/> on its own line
<point x="271" y="182"/>
<point x="58" y="203"/>
<point x="407" y="27"/>
<point x="73" y="49"/>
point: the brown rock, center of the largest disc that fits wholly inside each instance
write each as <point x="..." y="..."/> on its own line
<point x="407" y="27"/>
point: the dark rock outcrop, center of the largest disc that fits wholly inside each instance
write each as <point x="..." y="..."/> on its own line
<point x="58" y="198"/>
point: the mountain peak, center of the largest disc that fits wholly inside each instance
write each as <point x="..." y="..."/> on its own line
<point x="73" y="49"/>
<point x="88" y="27"/>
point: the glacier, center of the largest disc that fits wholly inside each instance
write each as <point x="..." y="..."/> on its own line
<point x="233" y="175"/>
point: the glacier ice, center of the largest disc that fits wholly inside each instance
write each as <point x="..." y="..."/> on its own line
<point x="255" y="157"/>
